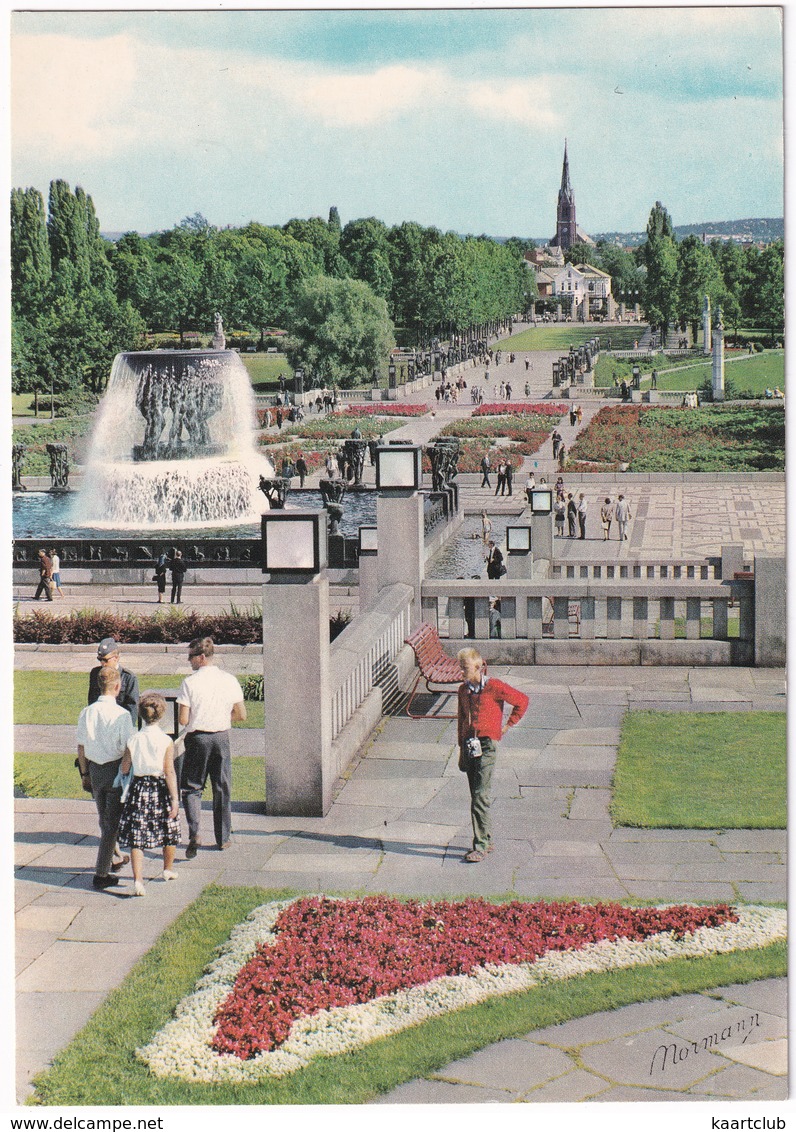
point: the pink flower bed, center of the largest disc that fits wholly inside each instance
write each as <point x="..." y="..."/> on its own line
<point x="501" y="408"/>
<point x="386" y="409"/>
<point x="332" y="953"/>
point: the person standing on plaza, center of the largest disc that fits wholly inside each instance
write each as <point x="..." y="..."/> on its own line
<point x="486" y="464"/>
<point x="572" y="514"/>
<point x="562" y="457"/>
<point x="573" y="409"/>
<point x="560" y="509"/>
<point x="530" y="486"/>
<point x="556" y="439"/>
<point x="108" y="655"/>
<point x="606" y="518"/>
<point x="509" y="476"/>
<point x="480" y="727"/>
<point x="582" y="509"/>
<point x="623" y="516"/>
<point x="209" y="701"/>
<point x="178" y="571"/>
<point x="45" y="577"/>
<point x="103" y="732"/>
<point x="56" y="578"/>
<point x="579" y="414"/>
<point x="301" y="469"/>
<point x="150" y="816"/>
<point x="500" y="487"/>
<point x="486" y="527"/>
<point x="159" y="577"/>
<point x="494" y="561"/>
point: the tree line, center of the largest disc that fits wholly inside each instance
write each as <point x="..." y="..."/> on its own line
<point x="77" y="298"/>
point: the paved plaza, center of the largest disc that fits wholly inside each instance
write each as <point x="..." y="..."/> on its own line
<point x="400" y="820"/>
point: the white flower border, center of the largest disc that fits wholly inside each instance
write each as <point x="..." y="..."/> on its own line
<point x="182" y="1048"/>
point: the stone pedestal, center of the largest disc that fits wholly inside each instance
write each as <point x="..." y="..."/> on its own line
<point x="298" y="722"/>
<point x="401" y="555"/>
<point x="770" y="612"/>
<point x="368" y="580"/>
<point x="542" y="536"/>
<point x="621" y="312"/>
<point x="706" y="328"/>
<point x="718" y="362"/>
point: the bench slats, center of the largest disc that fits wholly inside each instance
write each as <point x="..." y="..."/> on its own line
<point x="436" y="667"/>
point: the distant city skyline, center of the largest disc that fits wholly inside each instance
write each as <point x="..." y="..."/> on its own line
<point x="452" y="118"/>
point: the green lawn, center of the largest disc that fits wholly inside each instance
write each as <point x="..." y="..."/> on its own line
<point x="264" y="370"/>
<point x="752" y="374"/>
<point x="53" y="775"/>
<point x="58" y="697"/>
<point x="99" y="1066"/>
<point x="717" y="770"/>
<point x="561" y="337"/>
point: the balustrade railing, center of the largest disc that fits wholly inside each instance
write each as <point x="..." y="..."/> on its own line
<point x="362" y="656"/>
<point x="708" y="570"/>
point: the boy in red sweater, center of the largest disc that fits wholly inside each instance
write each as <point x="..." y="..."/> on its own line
<point x="481" y="703"/>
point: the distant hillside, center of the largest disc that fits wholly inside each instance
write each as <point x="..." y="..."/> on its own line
<point x="764" y="230"/>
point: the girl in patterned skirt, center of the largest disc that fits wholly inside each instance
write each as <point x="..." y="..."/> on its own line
<point x="150" y="815"/>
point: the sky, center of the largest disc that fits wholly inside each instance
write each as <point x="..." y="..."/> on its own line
<point x="450" y="117"/>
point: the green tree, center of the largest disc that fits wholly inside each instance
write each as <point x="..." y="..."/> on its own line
<point x="31" y="268"/>
<point x="660" y="257"/>
<point x="340" y="331"/>
<point x="364" y="247"/>
<point x="769" y="303"/>
<point x="698" y="275"/>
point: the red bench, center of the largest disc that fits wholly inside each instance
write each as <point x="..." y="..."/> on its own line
<point x="436" y="667"/>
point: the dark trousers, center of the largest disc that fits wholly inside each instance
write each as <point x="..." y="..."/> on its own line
<point x="43" y="586"/>
<point x="485" y="481"/>
<point x="571" y="523"/>
<point x="176" y="590"/>
<point x="109" y="807"/>
<point x="582" y="524"/>
<point x="207" y="754"/>
<point x="479" y="778"/>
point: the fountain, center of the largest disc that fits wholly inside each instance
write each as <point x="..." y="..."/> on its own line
<point x="173" y="444"/>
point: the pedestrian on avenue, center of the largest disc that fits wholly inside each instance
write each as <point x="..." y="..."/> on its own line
<point x="654" y="379"/>
<point x="527" y="364"/>
<point x="279" y="417"/>
<point x="572" y="515"/>
<point x="178" y="571"/>
<point x="159" y="577"/>
<point x="560" y="492"/>
<point x="494" y="561"/>
<point x="109" y="657"/>
<point x="560" y="508"/>
<point x="486" y="527"/>
<point x="508" y="390"/>
<point x="103" y="732"/>
<point x="56" y="576"/>
<point x="150" y="816"/>
<point x="486" y="464"/>
<point x="530" y="486"/>
<point x="623" y="516"/>
<point x="500" y="488"/>
<point x="527" y="389"/>
<point x="209" y="701"/>
<point x="480" y="726"/>
<point x="606" y="518"/>
<point x="509" y="475"/>
<point x="502" y="391"/>
<point x="579" y="414"/>
<point x="556" y="439"/>
<point x="562" y="457"/>
<point x="45" y="577"/>
<point x="582" y="509"/>
<point x="301" y="469"/>
<point x="329" y="464"/>
<point x="572" y="414"/>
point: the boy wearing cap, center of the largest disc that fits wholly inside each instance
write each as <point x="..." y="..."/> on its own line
<point x="108" y="657"/>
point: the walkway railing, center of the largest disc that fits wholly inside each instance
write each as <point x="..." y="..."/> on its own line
<point x="363" y="654"/>
<point x="708" y="570"/>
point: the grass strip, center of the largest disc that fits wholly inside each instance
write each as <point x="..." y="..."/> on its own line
<point x="44" y="698"/>
<point x="99" y="1065"/>
<point x="52" y="775"/>
<point x="717" y="770"/>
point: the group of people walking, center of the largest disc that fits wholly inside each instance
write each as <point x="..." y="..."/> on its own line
<point x="136" y="776"/>
<point x="573" y="512"/>
<point x="49" y="576"/>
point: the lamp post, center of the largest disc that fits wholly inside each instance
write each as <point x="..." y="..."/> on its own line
<point x="542" y="522"/>
<point x="296" y="666"/>
<point x="399" y="516"/>
<point x="368" y="566"/>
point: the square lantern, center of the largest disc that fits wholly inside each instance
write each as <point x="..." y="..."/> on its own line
<point x="518" y="540"/>
<point x="541" y="501"/>
<point x="368" y="541"/>
<point x="294" y="542"/>
<point x="398" y="468"/>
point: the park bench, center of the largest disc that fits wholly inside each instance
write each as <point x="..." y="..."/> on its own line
<point x="436" y="668"/>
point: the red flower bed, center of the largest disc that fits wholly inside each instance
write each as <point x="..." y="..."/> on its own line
<point x="501" y="408"/>
<point x="331" y="953"/>
<point x="386" y="409"/>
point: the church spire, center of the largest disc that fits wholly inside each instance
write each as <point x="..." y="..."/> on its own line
<point x="565" y="185"/>
<point x="566" y="225"/>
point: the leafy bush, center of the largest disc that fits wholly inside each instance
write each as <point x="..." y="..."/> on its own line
<point x="253" y="686"/>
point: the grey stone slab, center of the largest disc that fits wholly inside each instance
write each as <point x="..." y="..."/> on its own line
<point x="734" y="1083"/>
<point x="441" y="1092"/>
<point x="418" y="882"/>
<point x="536" y="738"/>
<point x="76" y="966"/>
<point x="29" y="945"/>
<point x="430" y="752"/>
<point x="768" y="1056"/>
<point x="398" y="768"/>
<point x="417" y="835"/>
<point x="745" y="868"/>
<point x="752" y="840"/>
<point x="601" y="697"/>
<point x="310" y="863"/>
<point x="573" y="776"/>
<point x="577" y="1085"/>
<point x="670" y="853"/>
<point x="569" y="888"/>
<point x="418" y="791"/>
<point x="627" y="1020"/>
<point x="602" y="716"/>
<point x="625" y="1093"/>
<point x="630" y="835"/>
<point x="559" y="867"/>
<point x="644" y="1059"/>
<point x="514" y="1065"/>
<point x="401" y="729"/>
<point x="579" y="850"/>
<point x="346" y="819"/>
<point x="47" y="1021"/>
<point x="769" y="995"/>
<point x="680" y="892"/>
<point x="67" y="857"/>
<point x="587" y="737"/>
<point x="731" y="1026"/>
<point x="56" y="878"/>
<point x="590" y="805"/>
<point x="576" y="756"/>
<point x="26" y="892"/>
<point x="644" y="699"/>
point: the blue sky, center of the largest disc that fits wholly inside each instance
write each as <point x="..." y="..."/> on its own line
<point x="455" y="118"/>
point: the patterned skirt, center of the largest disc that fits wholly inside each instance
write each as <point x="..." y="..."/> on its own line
<point x="145" y="822"/>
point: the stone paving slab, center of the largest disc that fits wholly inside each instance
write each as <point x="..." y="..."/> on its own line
<point x="736" y="1082"/>
<point x="770" y="995"/>
<point x="770" y="1056"/>
<point x="514" y="1065"/>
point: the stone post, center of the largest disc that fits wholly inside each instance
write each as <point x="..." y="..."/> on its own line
<point x="542" y="537"/>
<point x="706" y="331"/>
<point x="401" y="556"/>
<point x="718" y="360"/>
<point x="770" y="611"/>
<point x="298" y="717"/>
<point x="637" y="311"/>
<point x="368" y="580"/>
<point x="621" y="312"/>
<point x="731" y="560"/>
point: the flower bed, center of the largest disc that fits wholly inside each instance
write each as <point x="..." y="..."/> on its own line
<point x="512" y="427"/>
<point x="716" y="439"/>
<point x="336" y="427"/>
<point x="316" y="976"/>
<point x="471" y="452"/>
<point x="385" y="409"/>
<point x="510" y="408"/>
<point x="87" y="626"/>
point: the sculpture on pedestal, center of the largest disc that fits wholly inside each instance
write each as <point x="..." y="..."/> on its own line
<point x="17" y="460"/>
<point x="444" y="456"/>
<point x="354" y="452"/>
<point x="59" y="467"/>
<point x="332" y="494"/>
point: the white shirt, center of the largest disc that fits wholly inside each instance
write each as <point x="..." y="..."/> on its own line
<point x="56" y="561"/>
<point x="148" y="749"/>
<point x="104" y="730"/>
<point x="210" y="696"/>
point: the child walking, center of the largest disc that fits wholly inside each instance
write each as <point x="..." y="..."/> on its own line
<point x="150" y="815"/>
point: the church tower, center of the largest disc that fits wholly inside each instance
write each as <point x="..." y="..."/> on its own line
<point x="566" y="226"/>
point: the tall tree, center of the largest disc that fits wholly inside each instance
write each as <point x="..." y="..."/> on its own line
<point x="697" y="275"/>
<point x="660" y="256"/>
<point x="31" y="268"/>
